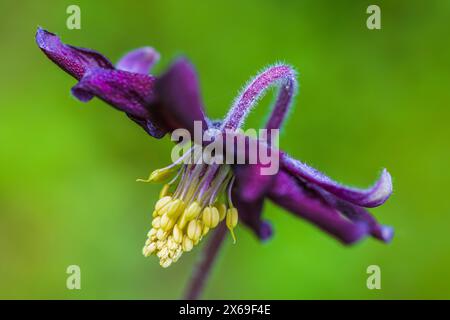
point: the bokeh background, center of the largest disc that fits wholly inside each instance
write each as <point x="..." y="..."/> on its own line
<point x="368" y="100"/>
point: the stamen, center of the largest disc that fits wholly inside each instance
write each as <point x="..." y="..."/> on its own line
<point x="163" y="174"/>
<point x="230" y="186"/>
<point x="164" y="191"/>
<point x="160" y="175"/>
<point x="183" y="217"/>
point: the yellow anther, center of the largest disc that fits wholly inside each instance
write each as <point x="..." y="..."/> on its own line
<point x="148" y="250"/>
<point x="179" y="223"/>
<point x="182" y="221"/>
<point x="164" y="191"/>
<point x="163" y="253"/>
<point x="160" y="175"/>
<point x="171" y="244"/>
<point x="177" y="254"/>
<point x="167" y="223"/>
<point x="191" y="229"/>
<point x="162" y="202"/>
<point x="175" y="208"/>
<point x="192" y="211"/>
<point x="215" y="216"/>
<point x="164" y="221"/>
<point x="165" y="263"/>
<point x="187" y="244"/>
<point x="198" y="231"/>
<point x="151" y="233"/>
<point x="210" y="217"/>
<point x="156" y="223"/>
<point x="232" y="220"/>
<point x="161" y="235"/>
<point x="222" y="208"/>
<point x="177" y="234"/>
<point x="160" y="244"/>
<point x="151" y="247"/>
<point x="206" y="216"/>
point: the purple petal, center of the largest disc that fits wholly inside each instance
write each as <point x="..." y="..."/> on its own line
<point x="128" y="92"/>
<point x="359" y="214"/>
<point x="179" y="95"/>
<point x="140" y="60"/>
<point x="75" y="61"/>
<point x="294" y="196"/>
<point x="250" y="215"/>
<point x="371" y="197"/>
<point x="131" y="93"/>
<point x="254" y="175"/>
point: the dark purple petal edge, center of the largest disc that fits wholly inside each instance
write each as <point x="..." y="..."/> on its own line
<point x="74" y="60"/>
<point x="295" y="197"/>
<point x="140" y="60"/>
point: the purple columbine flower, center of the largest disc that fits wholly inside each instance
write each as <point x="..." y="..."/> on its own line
<point x="199" y="197"/>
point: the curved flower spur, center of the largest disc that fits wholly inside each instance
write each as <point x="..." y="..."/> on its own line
<point x="200" y="197"/>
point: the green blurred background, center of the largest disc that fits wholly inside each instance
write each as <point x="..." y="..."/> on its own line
<point x="368" y="99"/>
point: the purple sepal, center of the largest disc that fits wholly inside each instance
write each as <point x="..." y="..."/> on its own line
<point x="250" y="183"/>
<point x="265" y="230"/>
<point x="250" y="215"/>
<point x="75" y="61"/>
<point x="371" y="197"/>
<point x="179" y="95"/>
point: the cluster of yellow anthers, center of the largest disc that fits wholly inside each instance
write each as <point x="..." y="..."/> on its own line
<point x="182" y="218"/>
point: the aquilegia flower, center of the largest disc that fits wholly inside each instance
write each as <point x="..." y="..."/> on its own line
<point x="200" y="197"/>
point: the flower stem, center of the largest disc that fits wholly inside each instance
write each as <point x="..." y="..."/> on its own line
<point x="206" y="261"/>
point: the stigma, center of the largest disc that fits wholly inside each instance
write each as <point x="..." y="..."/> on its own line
<point x="194" y="201"/>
